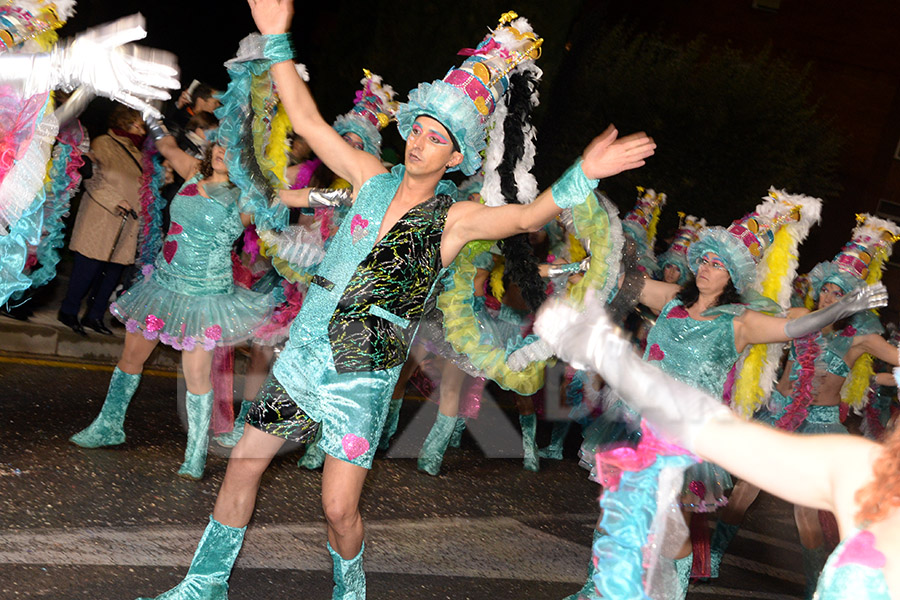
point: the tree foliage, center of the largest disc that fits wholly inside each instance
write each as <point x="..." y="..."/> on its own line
<point x="727" y="125"/>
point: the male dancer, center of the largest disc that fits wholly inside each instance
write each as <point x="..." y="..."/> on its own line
<point x="352" y="336"/>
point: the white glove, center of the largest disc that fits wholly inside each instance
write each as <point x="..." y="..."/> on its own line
<point x="99" y="61"/>
<point x="589" y="340"/>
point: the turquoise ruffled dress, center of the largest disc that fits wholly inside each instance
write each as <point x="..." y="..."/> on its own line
<point x="854" y="571"/>
<point x="188" y="298"/>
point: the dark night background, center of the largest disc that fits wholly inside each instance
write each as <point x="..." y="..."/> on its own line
<point x="847" y="53"/>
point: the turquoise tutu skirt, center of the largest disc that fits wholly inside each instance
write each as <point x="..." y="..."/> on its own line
<point x="185" y="321"/>
<point x="819" y="419"/>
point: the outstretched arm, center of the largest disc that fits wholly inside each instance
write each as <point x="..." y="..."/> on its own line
<point x="756" y="328"/>
<point x="606" y="156"/>
<point x="808" y="470"/>
<point x="356" y="166"/>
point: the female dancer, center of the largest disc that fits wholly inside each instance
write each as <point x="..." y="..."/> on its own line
<point x="187" y="300"/>
<point x="806" y="399"/>
<point x="704" y="327"/>
<point x="855" y="478"/>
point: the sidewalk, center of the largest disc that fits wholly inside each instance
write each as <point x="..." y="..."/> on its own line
<point x="45" y="337"/>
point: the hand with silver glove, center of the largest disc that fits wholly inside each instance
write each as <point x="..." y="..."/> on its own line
<point x="864" y="298"/>
<point x="324" y="197"/>
<point x="590" y="340"/>
<point x="99" y="61"/>
<point x="569" y="268"/>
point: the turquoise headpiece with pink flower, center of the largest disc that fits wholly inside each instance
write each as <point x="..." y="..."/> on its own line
<point x="468" y="96"/>
<point x="373" y="108"/>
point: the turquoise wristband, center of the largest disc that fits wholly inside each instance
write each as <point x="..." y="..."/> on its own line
<point x="279" y="47"/>
<point x="573" y="187"/>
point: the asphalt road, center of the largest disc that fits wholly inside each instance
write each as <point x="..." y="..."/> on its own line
<point x="115" y="524"/>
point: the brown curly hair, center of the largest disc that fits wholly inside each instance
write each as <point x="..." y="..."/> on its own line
<point x="882" y="495"/>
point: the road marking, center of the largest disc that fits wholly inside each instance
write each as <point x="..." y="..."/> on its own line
<point x="38" y="362"/>
<point x="487" y="548"/>
<point x="723" y="592"/>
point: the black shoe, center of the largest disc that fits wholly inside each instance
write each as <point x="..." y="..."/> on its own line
<point x="71" y="321"/>
<point x="17" y="313"/>
<point x="97" y="325"/>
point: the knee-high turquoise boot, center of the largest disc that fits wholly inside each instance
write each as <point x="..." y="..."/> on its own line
<point x="106" y="430"/>
<point x="557" y="437"/>
<point x="349" y="577"/>
<point x="207" y="579"/>
<point x="683" y="575"/>
<point x="432" y="453"/>
<point x="390" y="425"/>
<point x="458" y="429"/>
<point x="314" y="457"/>
<point x="199" y="410"/>
<point x="721" y="538"/>
<point x="588" y="591"/>
<point x="529" y="429"/>
<point x="230" y="439"/>
<point x="813" y="562"/>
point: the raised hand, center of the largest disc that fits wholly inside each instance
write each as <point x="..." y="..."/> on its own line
<point x="102" y="61"/>
<point x="609" y="155"/>
<point x="272" y="16"/>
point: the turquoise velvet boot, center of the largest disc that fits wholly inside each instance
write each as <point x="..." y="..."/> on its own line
<point x="349" y="577"/>
<point x="314" y="457"/>
<point x="199" y="411"/>
<point x="458" y="429"/>
<point x="230" y="438"/>
<point x="721" y="538"/>
<point x="683" y="568"/>
<point x="557" y="436"/>
<point x="106" y="430"/>
<point x="529" y="429"/>
<point x="432" y="453"/>
<point x="588" y="591"/>
<point x="207" y="578"/>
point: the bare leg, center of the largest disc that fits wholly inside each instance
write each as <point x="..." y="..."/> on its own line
<point x="197" y="365"/>
<point x="135" y="353"/>
<point x="743" y="495"/>
<point x="452" y="378"/>
<point x="342" y="484"/>
<point x="808" y="526"/>
<point x="257" y="370"/>
<point x="249" y="460"/>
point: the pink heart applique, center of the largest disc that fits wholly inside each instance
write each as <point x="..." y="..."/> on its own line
<point x="354" y="446"/>
<point x="175" y="228"/>
<point x="678" y="312"/>
<point x="169" y="249"/>
<point x="656" y="353"/>
<point x="860" y="550"/>
<point x="189" y="190"/>
<point x="698" y="487"/>
<point x="358" y="221"/>
<point x="153" y="323"/>
<point x="213" y="333"/>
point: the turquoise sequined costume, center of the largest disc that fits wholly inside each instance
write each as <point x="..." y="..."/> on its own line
<point x="189" y="298"/>
<point x="853" y="571"/>
<point x="354" y="330"/>
<point x="699" y="353"/>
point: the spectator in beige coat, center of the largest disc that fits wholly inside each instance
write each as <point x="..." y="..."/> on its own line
<point x="104" y="239"/>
